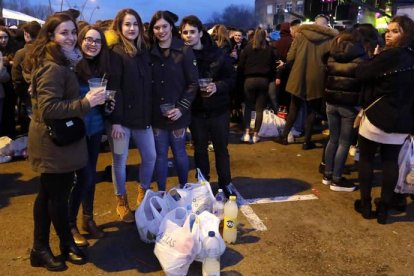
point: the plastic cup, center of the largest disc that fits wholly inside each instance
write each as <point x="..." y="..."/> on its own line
<point x="166" y="107"/>
<point x="97" y="84"/>
<point x="109" y="95"/>
<point x="119" y="145"/>
<point x="203" y="83"/>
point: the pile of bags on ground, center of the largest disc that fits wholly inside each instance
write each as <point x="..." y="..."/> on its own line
<point x="272" y="124"/>
<point x="178" y="221"/>
<point x="12" y="148"/>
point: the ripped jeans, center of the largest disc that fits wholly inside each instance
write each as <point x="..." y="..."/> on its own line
<point x="176" y="140"/>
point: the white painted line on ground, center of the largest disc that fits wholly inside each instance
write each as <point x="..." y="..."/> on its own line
<point x="280" y="199"/>
<point x="251" y="216"/>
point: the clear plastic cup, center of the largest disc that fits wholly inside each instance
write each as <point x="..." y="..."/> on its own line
<point x="97" y="84"/>
<point x="119" y="145"/>
<point x="203" y="83"/>
<point x="165" y="107"/>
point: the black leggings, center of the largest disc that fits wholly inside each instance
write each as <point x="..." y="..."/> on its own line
<point x="51" y="205"/>
<point x="389" y="159"/>
<point x="256" y="94"/>
<point x="313" y="108"/>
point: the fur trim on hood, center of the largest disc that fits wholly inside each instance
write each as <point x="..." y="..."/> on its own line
<point x="316" y="33"/>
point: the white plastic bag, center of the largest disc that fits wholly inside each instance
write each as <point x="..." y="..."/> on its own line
<point x="268" y="127"/>
<point x="149" y="215"/>
<point x="405" y="183"/>
<point x="177" y="215"/>
<point x="201" y="194"/>
<point x="280" y="123"/>
<point x="178" y="198"/>
<point x="175" y="248"/>
<point x="208" y="222"/>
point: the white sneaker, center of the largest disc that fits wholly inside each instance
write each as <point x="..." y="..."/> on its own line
<point x="291" y="138"/>
<point x="255" y="139"/>
<point x="245" y="138"/>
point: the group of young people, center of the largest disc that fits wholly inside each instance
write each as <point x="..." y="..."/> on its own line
<point x="162" y="65"/>
<point x="147" y="70"/>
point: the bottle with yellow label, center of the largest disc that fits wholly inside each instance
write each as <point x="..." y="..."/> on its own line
<point x="230" y="220"/>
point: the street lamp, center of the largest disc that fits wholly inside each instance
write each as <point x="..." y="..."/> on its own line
<point x="94" y="9"/>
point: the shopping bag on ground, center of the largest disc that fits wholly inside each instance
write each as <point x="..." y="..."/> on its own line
<point x="207" y="222"/>
<point x="149" y="215"/>
<point x="405" y="183"/>
<point x="268" y="127"/>
<point x="280" y="123"/>
<point x="178" y="198"/>
<point x="175" y="247"/>
<point x="177" y="215"/>
<point x="201" y="194"/>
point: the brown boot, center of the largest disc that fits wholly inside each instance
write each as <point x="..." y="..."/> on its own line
<point x="89" y="225"/>
<point x="141" y="195"/>
<point x="78" y="238"/>
<point x="122" y="209"/>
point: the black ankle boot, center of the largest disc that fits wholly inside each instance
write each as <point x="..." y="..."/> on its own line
<point x="364" y="208"/>
<point x="382" y="212"/>
<point x="282" y="140"/>
<point x="46" y="259"/>
<point x="73" y="254"/>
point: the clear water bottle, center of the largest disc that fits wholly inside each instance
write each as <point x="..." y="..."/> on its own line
<point x="218" y="206"/>
<point x="252" y="119"/>
<point x="211" y="263"/>
<point x="230" y="220"/>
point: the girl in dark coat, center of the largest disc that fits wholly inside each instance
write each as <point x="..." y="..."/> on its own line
<point x="56" y="96"/>
<point x="174" y="76"/>
<point x="388" y="119"/>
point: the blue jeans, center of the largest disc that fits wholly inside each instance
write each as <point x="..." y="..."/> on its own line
<point x="340" y="120"/>
<point x="144" y="141"/>
<point x="176" y="140"/>
<point x="84" y="189"/>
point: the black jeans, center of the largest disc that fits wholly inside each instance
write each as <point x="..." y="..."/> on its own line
<point x="256" y="94"/>
<point x="313" y="108"/>
<point x="389" y="160"/>
<point x="84" y="189"/>
<point x="51" y="206"/>
<point x="216" y="129"/>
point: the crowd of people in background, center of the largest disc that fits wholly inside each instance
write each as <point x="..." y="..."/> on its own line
<point x="357" y="80"/>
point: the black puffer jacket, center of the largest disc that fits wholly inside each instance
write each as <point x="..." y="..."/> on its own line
<point x="342" y="87"/>
<point x="213" y="63"/>
<point x="133" y="101"/>
<point x="389" y="74"/>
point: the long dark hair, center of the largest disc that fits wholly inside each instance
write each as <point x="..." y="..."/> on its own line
<point x="259" y="39"/>
<point x="407" y="25"/>
<point x="45" y="45"/>
<point x="168" y="16"/>
<point x="97" y="66"/>
<point x="130" y="48"/>
<point x="10" y="48"/>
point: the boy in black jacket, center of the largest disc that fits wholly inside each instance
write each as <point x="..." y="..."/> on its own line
<point x="210" y="109"/>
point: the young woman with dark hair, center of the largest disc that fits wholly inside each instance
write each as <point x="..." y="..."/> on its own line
<point x="95" y="64"/>
<point x="131" y="118"/>
<point x="388" y="118"/>
<point x="55" y="95"/>
<point x="175" y="77"/>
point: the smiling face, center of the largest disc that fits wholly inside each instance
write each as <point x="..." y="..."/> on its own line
<point x="393" y="35"/>
<point x="65" y="35"/>
<point x="162" y="30"/>
<point x="191" y="36"/>
<point x="92" y="43"/>
<point x="237" y="36"/>
<point x="130" y="28"/>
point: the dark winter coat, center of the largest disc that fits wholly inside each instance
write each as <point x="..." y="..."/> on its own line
<point x="133" y="100"/>
<point x="389" y="74"/>
<point x="283" y="44"/>
<point x="308" y="55"/>
<point x="258" y="62"/>
<point x="55" y="96"/>
<point x="342" y="87"/>
<point x="174" y="80"/>
<point x="213" y="63"/>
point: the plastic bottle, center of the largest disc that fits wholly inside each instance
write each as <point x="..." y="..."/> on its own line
<point x="230" y="220"/>
<point x="218" y="206"/>
<point x="211" y="263"/>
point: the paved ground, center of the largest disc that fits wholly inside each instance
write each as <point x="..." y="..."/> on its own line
<point x="323" y="236"/>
